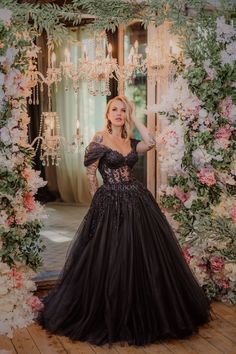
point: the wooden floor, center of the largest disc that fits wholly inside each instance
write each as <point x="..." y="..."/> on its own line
<point x="219" y="336"/>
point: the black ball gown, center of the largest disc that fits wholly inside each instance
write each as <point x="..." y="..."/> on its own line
<point x="125" y="278"/>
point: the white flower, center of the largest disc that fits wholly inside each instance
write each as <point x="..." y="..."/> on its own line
<point x="171" y="147"/>
<point x="200" y="157"/>
<point x="228" y="56"/>
<point x="4" y="268"/>
<point x="5" y="136"/>
<point x="9" y="57"/>
<point x="230" y="269"/>
<point x="190" y="200"/>
<point x="224" y="32"/>
<point x="5" y="15"/>
<point x="203" y="113"/>
<point x="2" y="79"/>
<point x="226" y="178"/>
<point x="210" y="71"/>
<point x="188" y="62"/>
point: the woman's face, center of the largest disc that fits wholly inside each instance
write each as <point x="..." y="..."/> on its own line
<point x="117" y="113"/>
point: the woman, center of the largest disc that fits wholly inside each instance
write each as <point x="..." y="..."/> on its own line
<point x="125" y="278"/>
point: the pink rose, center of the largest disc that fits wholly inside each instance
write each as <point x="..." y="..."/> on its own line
<point x="181" y="195"/>
<point x="26" y="173"/>
<point x="224" y="283"/>
<point x="29" y="202"/>
<point x="223" y="133"/>
<point x="17" y="277"/>
<point x="35" y="303"/>
<point x="186" y="254"/>
<point x="226" y="107"/>
<point x="217" y="263"/>
<point x="10" y="220"/>
<point x="207" y="177"/>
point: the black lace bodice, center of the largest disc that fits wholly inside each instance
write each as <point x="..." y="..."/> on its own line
<point x="113" y="166"/>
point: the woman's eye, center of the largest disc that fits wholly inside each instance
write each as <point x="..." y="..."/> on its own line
<point x="113" y="109"/>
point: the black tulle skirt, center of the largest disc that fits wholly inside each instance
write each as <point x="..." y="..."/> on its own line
<point x="125" y="278"/>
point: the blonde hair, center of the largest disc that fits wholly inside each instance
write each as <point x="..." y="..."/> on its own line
<point x="129" y="125"/>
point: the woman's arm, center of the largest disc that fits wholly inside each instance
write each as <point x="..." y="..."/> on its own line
<point x="148" y="141"/>
<point x="92" y="178"/>
<point x="92" y="169"/>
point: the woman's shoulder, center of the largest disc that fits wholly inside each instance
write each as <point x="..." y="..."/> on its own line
<point x="99" y="136"/>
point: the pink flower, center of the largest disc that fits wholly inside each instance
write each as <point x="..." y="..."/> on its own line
<point x="26" y="173"/>
<point x="206" y="177"/>
<point x="233" y="213"/>
<point x="186" y="254"/>
<point x="223" y="133"/>
<point x="217" y="263"/>
<point x="17" y="277"/>
<point x="195" y="125"/>
<point x="29" y="202"/>
<point x="172" y="133"/>
<point x="181" y="195"/>
<point x="226" y="107"/>
<point x="224" y="283"/>
<point x="35" y="303"/>
<point x="10" y="220"/>
<point x="203" y="266"/>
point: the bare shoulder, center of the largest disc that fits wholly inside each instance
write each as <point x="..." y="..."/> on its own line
<point x="98" y="137"/>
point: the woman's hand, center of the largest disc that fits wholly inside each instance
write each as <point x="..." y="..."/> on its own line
<point x="148" y="140"/>
<point x="133" y="113"/>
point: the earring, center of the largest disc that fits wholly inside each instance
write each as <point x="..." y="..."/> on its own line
<point x="109" y="128"/>
<point x="124" y="131"/>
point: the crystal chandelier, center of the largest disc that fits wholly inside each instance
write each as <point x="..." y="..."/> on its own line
<point x="96" y="71"/>
<point x="154" y="62"/>
<point x="38" y="80"/>
<point x="49" y="141"/>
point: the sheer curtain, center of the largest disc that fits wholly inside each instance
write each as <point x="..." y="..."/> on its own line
<point x="71" y="177"/>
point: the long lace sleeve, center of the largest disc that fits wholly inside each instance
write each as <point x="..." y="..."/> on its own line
<point x="92" y="178"/>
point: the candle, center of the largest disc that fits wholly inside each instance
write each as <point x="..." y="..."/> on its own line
<point x="109" y="49"/>
<point x="131" y="54"/>
<point x="53" y="60"/>
<point x="52" y="127"/>
<point x="85" y="52"/>
<point x="67" y="56"/>
<point x="77" y="127"/>
<point x="136" y="46"/>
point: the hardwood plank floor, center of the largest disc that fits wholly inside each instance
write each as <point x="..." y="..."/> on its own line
<point x="219" y="336"/>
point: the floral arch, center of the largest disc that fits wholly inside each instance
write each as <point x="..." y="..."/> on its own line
<point x="199" y="196"/>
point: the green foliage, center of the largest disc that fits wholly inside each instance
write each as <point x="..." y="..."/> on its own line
<point x="37" y="18"/>
<point x="10" y="182"/>
<point x="22" y="243"/>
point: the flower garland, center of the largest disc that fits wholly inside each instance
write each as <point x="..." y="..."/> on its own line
<point x="197" y="150"/>
<point x="20" y="213"/>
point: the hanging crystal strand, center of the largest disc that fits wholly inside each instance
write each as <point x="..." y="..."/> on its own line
<point x="34" y="92"/>
<point x="37" y="94"/>
<point x="40" y="135"/>
<point x="49" y="99"/>
<point x="30" y="97"/>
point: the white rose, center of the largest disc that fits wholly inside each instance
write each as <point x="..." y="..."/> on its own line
<point x="5" y="15"/>
<point x="203" y="113"/>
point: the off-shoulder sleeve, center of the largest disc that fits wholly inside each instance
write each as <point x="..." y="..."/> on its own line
<point x="93" y="152"/>
<point x="134" y="143"/>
